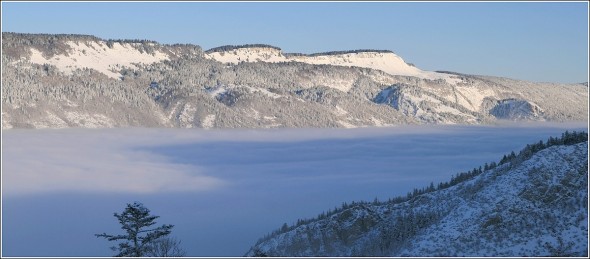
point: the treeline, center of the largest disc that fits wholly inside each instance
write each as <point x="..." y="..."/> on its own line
<point x="341" y="52"/>
<point x="16" y="45"/>
<point x="511" y="160"/>
<point x="451" y="73"/>
<point x="142" y="45"/>
<point x="43" y="38"/>
<point x="142" y="41"/>
<point x="15" y="38"/>
<point x="232" y="47"/>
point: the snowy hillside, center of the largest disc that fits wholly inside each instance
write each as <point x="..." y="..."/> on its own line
<point x="385" y="61"/>
<point x="99" y="56"/>
<point x="61" y="81"/>
<point x="530" y="204"/>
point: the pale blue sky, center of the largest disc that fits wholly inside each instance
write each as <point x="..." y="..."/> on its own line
<point x="534" y="41"/>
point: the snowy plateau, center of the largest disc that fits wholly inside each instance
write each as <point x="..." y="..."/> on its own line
<point x="64" y="81"/>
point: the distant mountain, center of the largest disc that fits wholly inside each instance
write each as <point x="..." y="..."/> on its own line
<point x="534" y="203"/>
<point x="57" y="81"/>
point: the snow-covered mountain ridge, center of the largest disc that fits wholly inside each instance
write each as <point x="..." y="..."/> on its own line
<point x="530" y="204"/>
<point x="385" y="61"/>
<point x="57" y="81"/>
<point x="98" y="56"/>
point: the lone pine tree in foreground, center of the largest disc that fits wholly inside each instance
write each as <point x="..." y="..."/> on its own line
<point x="139" y="240"/>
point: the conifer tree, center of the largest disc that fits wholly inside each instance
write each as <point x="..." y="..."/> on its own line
<point x="139" y="237"/>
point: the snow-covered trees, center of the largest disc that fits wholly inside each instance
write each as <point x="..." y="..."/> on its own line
<point x="283" y="94"/>
<point x="538" y="193"/>
<point x="234" y="47"/>
<point x="139" y="238"/>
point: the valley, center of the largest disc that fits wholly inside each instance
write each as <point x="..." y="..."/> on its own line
<point x="322" y="154"/>
<point x="225" y="189"/>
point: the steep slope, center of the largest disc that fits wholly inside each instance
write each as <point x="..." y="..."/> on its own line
<point x="56" y="81"/>
<point x="533" y="204"/>
<point x="547" y="96"/>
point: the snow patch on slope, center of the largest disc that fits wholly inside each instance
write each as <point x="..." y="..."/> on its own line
<point x="339" y="111"/>
<point x="5" y="123"/>
<point x="425" y="106"/>
<point x="379" y="123"/>
<point x="87" y="120"/>
<point x="208" y="121"/>
<point x="387" y="62"/>
<point x="187" y="116"/>
<point x="347" y="124"/>
<point x="255" y="54"/>
<point x="262" y="91"/>
<point x="516" y="109"/>
<point x="98" y="56"/>
<point x="472" y="97"/>
<point x="51" y="121"/>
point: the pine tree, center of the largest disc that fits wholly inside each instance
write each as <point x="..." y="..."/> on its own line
<point x="504" y="160"/>
<point x="258" y="253"/>
<point x="139" y="238"/>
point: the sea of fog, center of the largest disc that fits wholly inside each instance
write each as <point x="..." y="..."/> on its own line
<point x="222" y="189"/>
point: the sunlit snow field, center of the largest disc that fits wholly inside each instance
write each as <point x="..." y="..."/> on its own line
<point x="222" y="189"/>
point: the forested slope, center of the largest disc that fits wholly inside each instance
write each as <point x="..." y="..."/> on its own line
<point x="56" y="81"/>
<point x="530" y="203"/>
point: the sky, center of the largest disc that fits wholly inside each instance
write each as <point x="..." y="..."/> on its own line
<point x="536" y="41"/>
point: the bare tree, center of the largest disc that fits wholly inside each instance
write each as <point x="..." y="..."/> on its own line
<point x="165" y="247"/>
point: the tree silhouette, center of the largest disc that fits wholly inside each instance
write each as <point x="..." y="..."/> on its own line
<point x="139" y="238"/>
<point x="165" y="247"/>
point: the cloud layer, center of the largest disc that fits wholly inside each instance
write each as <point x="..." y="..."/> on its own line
<point x="221" y="189"/>
<point x="37" y="162"/>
